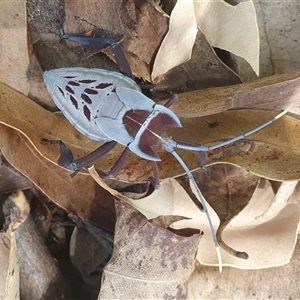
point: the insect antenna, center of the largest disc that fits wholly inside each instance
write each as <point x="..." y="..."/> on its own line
<point x="203" y="202"/>
<point x="193" y="147"/>
<point x="169" y="146"/>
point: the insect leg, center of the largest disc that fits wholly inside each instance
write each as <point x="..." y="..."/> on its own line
<point x="67" y="161"/>
<point x="117" y="166"/>
<point x="155" y="179"/>
<point x="171" y="100"/>
<point x="102" y="42"/>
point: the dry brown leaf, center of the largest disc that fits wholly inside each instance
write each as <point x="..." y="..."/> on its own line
<point x="13" y="43"/>
<point x="39" y="271"/>
<point x="36" y="123"/>
<point x="88" y="256"/>
<point x="11" y="180"/>
<point x="140" y="246"/>
<point x="272" y="153"/>
<point x="203" y="70"/>
<point x="139" y="23"/>
<point x="272" y="283"/>
<point x="272" y="93"/>
<point x="232" y="28"/>
<point x="80" y="195"/>
<point x="242" y="233"/>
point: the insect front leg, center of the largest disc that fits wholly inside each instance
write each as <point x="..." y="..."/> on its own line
<point x="103" y="41"/>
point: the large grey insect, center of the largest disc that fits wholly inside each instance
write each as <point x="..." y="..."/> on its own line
<point x="109" y="107"/>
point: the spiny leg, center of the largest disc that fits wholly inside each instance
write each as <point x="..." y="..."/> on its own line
<point x="102" y="42"/>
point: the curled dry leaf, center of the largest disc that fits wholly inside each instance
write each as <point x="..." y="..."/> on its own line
<point x="283" y="194"/>
<point x="273" y="93"/>
<point x="244" y="230"/>
<point x="79" y="195"/>
<point x="23" y="209"/>
<point x="140" y="246"/>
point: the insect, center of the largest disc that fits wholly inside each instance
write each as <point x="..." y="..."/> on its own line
<point x="109" y="107"/>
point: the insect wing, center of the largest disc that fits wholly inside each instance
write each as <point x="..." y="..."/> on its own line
<point x="80" y="93"/>
<point x="135" y="100"/>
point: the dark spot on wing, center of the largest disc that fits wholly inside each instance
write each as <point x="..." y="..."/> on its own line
<point x="103" y="85"/>
<point x="74" y="101"/>
<point x="87" y="81"/>
<point x="87" y="112"/>
<point x="91" y="91"/>
<point x="70" y="90"/>
<point x="69" y="77"/>
<point x="74" y="83"/>
<point x="86" y="98"/>
<point x="61" y="90"/>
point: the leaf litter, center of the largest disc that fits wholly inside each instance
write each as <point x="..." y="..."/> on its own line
<point x="284" y="90"/>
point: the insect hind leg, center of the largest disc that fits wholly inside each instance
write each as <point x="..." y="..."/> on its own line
<point x="102" y="41"/>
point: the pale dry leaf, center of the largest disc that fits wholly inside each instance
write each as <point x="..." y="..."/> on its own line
<point x="242" y="233"/>
<point x="20" y="201"/>
<point x="10" y="286"/>
<point x="228" y="190"/>
<point x="13" y="44"/>
<point x="232" y="28"/>
<point x="148" y="261"/>
<point x="272" y="283"/>
<point x="9" y="265"/>
<point x="177" y="45"/>
<point x="285" y="190"/>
